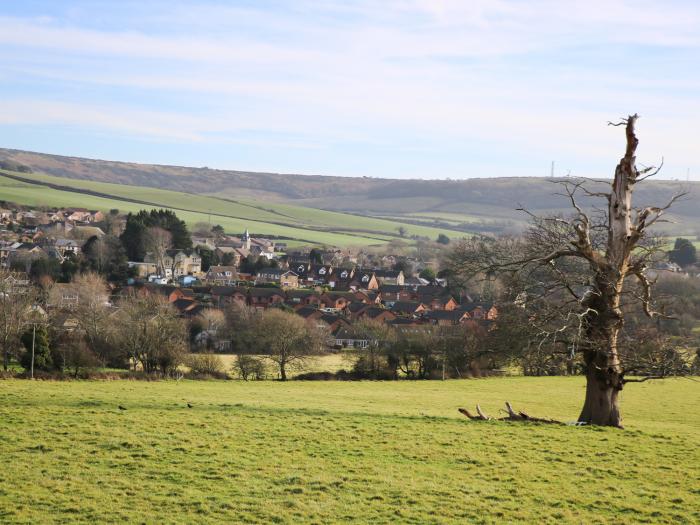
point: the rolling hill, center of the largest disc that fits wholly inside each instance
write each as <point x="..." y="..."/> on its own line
<point x="372" y="208"/>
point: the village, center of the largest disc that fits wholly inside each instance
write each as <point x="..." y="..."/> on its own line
<point x="329" y="288"/>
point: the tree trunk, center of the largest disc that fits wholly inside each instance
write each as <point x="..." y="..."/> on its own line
<point x="283" y="372"/>
<point x="603" y="386"/>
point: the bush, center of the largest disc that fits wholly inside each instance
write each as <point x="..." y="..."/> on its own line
<point x="206" y="365"/>
<point x="249" y="367"/>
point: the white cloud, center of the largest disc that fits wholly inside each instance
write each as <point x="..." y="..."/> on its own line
<point x="396" y="73"/>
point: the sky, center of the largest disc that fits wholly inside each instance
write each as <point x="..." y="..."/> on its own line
<point x="392" y="88"/>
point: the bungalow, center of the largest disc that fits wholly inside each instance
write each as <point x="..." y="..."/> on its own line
<point x="345" y="338"/>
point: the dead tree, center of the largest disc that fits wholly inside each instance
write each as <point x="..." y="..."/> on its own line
<point x="511" y="415"/>
<point x="580" y="266"/>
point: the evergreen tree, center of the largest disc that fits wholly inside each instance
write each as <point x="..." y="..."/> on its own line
<point x="137" y="224"/>
<point x="42" y="351"/>
<point x="683" y="253"/>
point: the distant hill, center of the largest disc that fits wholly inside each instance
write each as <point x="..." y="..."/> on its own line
<point x="487" y="203"/>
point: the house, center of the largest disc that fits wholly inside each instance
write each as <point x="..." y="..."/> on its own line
<point x="436" y="298"/>
<point x="67" y="296"/>
<point x="176" y="263"/>
<point x="221" y="275"/>
<point x="446" y="317"/>
<point x="415" y="282"/>
<point x="67" y="246"/>
<point x="352" y="310"/>
<point x="331" y="322"/>
<point x="85" y="232"/>
<point x="345" y="338"/>
<point x="391" y="293"/>
<point x="319" y="274"/>
<point x="303" y="297"/>
<point x="24" y="254"/>
<point x="231" y="255"/>
<point x="143" y="269"/>
<point x="278" y="276"/>
<point x="309" y="312"/>
<point x="485" y="311"/>
<point x="262" y="298"/>
<point x="188" y="307"/>
<point x="341" y="278"/>
<point x="223" y="296"/>
<point x="389" y="277"/>
<point x="408" y="308"/>
<point x="376" y="314"/>
<point x="336" y="301"/>
<point x="364" y="280"/>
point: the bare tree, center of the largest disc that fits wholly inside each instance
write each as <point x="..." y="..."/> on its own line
<point x="90" y="308"/>
<point x="581" y="265"/>
<point x="16" y="300"/>
<point x="148" y="329"/>
<point x="158" y="241"/>
<point x="286" y="339"/>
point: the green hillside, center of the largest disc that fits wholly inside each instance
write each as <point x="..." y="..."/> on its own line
<point x="471" y="205"/>
<point x="305" y="225"/>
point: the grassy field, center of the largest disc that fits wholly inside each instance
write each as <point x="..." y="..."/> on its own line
<point x="364" y="452"/>
<point x="234" y="214"/>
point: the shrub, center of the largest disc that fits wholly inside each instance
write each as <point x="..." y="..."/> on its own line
<point x="206" y="365"/>
<point x="249" y="367"/>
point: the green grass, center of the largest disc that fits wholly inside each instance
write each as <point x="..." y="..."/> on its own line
<point x="234" y="214"/>
<point x="364" y="452"/>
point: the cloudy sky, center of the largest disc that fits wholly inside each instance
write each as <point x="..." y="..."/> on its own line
<point x="391" y="88"/>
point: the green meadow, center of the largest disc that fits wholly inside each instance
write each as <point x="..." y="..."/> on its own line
<point x="327" y="452"/>
<point x="235" y="215"/>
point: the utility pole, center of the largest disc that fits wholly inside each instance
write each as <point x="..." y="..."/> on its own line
<point x="551" y="171"/>
<point x="33" y="341"/>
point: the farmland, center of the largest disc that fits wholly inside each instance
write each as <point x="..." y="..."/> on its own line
<point x="284" y="220"/>
<point x="379" y="452"/>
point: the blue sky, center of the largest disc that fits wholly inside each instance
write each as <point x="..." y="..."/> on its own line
<point x="397" y="88"/>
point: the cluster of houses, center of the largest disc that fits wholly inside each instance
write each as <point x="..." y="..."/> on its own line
<point x="330" y="289"/>
<point x="30" y="234"/>
<point x="402" y="306"/>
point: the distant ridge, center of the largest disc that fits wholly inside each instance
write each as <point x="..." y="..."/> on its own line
<point x="480" y="198"/>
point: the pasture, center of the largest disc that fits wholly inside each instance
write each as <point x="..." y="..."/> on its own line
<point x="362" y="452"/>
<point x="235" y="215"/>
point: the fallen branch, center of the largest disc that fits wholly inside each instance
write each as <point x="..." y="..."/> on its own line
<point x="512" y="415"/>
